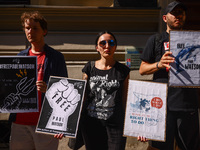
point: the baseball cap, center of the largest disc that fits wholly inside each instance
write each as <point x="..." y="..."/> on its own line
<point x="174" y="4"/>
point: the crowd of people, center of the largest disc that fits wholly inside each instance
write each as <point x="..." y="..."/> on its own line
<point x="102" y="117"/>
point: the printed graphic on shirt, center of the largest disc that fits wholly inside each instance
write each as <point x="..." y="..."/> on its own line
<point x="102" y="96"/>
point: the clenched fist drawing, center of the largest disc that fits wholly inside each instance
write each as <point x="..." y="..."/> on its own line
<point x="63" y="99"/>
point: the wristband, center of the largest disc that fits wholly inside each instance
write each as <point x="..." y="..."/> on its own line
<point x="157" y="65"/>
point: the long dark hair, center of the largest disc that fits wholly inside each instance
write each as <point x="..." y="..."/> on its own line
<point x="104" y="32"/>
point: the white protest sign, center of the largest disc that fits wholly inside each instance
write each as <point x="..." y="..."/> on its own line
<point x="146" y="110"/>
<point x="185" y="48"/>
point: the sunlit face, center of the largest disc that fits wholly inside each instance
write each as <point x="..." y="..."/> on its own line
<point x="175" y="19"/>
<point x="106" y="45"/>
<point x="34" y="32"/>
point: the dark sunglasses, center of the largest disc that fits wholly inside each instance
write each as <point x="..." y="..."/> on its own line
<point x="110" y="42"/>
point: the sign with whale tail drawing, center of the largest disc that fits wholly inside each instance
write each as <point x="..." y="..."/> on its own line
<point x="146" y="110"/>
<point x="185" y="48"/>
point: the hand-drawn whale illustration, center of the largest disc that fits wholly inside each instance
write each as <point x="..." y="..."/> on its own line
<point x="185" y="54"/>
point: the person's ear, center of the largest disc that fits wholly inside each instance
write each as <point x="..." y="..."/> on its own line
<point x="164" y="18"/>
<point x="45" y="32"/>
<point x="97" y="48"/>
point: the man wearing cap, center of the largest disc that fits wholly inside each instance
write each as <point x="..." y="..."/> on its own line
<point x="182" y="122"/>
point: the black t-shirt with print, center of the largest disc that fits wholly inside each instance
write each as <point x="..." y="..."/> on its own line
<point x="104" y="93"/>
<point x="178" y="99"/>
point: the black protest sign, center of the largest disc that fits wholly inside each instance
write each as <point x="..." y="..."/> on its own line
<point x="18" y="92"/>
<point x="62" y="106"/>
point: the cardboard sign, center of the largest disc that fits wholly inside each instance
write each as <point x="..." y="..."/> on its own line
<point x="185" y="48"/>
<point x="18" y="92"/>
<point x="62" y="106"/>
<point x="146" y="110"/>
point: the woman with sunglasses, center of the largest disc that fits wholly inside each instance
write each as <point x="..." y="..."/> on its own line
<point x="102" y="118"/>
<point x="102" y="124"/>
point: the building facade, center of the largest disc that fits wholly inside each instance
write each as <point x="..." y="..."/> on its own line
<point x="74" y="24"/>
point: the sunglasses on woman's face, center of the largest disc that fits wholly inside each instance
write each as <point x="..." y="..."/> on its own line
<point x="110" y="42"/>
